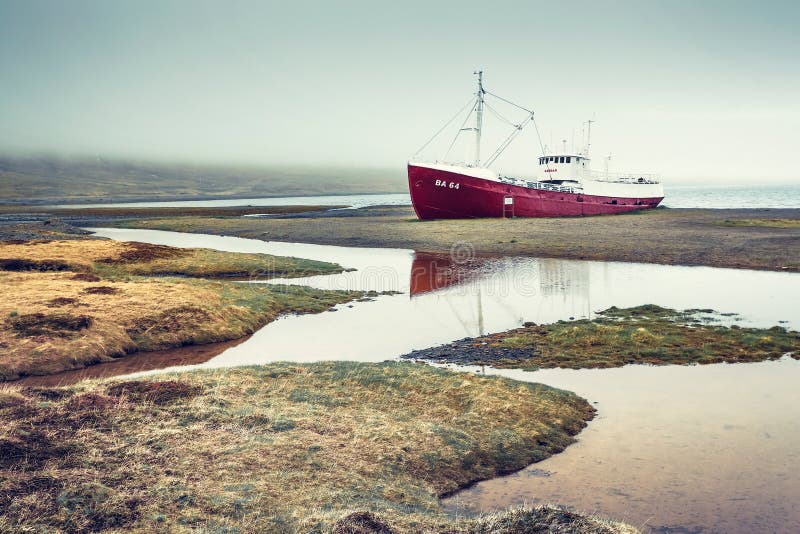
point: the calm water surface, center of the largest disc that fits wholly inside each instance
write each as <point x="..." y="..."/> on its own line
<point x="355" y="201"/>
<point x="676" y="449"/>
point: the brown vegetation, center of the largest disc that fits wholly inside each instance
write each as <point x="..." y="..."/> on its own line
<point x="95" y="258"/>
<point x="53" y="324"/>
<point x="134" y="252"/>
<point x="24" y="264"/>
<point x="53" y="320"/>
<point x="328" y="447"/>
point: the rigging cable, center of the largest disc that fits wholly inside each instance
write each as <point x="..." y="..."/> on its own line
<point x="429" y="141"/>
<point x="538" y="135"/>
<point x="541" y="145"/>
<point x="508" y="141"/>
<point x="453" y="142"/>
<point x="498" y="115"/>
<point x="509" y="102"/>
<point x="517" y="129"/>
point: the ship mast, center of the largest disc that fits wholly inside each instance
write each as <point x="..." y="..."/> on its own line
<point x="479" y="118"/>
<point x="588" y="136"/>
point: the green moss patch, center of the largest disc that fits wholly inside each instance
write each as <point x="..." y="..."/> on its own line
<point x="646" y="334"/>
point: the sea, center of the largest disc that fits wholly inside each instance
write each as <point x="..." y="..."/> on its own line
<point x="679" y="196"/>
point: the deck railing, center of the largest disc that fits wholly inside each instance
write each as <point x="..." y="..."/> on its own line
<point x="540" y="185"/>
<point x="552" y="187"/>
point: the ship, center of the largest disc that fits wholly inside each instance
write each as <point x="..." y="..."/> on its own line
<point x="564" y="184"/>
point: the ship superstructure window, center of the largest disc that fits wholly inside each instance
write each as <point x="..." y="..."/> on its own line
<point x="562" y="159"/>
<point x="568" y="159"/>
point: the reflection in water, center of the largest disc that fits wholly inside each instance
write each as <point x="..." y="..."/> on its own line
<point x="712" y="448"/>
<point x="431" y="272"/>
<point x="557" y="277"/>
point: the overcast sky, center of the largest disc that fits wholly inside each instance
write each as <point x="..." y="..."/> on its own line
<point x="694" y="90"/>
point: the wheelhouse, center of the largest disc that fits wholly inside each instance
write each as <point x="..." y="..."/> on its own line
<point x="562" y="167"/>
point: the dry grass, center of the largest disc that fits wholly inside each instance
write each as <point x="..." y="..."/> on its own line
<point x="139" y="314"/>
<point x="116" y="259"/>
<point x="328" y="447"/>
<point x="646" y="334"/>
<point x="93" y="309"/>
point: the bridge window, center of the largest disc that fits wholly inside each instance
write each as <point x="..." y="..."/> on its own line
<point x="568" y="159"/>
<point x="562" y="159"/>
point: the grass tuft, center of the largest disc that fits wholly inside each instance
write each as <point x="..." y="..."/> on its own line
<point x="21" y="264"/>
<point x="156" y="392"/>
<point x="54" y="324"/>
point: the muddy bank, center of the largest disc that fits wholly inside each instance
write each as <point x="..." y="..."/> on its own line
<point x="737" y="238"/>
<point x="137" y="362"/>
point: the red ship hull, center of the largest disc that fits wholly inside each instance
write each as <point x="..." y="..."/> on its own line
<point x="435" y="195"/>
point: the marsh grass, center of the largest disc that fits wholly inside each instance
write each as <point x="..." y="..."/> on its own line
<point x="332" y="446"/>
<point x="646" y="334"/>
<point x="115" y="260"/>
<point x="101" y="306"/>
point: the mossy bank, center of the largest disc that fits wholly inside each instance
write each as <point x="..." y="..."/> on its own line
<point x="645" y="334"/>
<point x="279" y="448"/>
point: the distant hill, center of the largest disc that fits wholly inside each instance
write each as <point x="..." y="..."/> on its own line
<point x="52" y="179"/>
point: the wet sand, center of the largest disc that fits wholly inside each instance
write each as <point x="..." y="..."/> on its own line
<point x="710" y="237"/>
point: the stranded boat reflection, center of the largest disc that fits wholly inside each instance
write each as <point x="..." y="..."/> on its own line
<point x="431" y="272"/>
